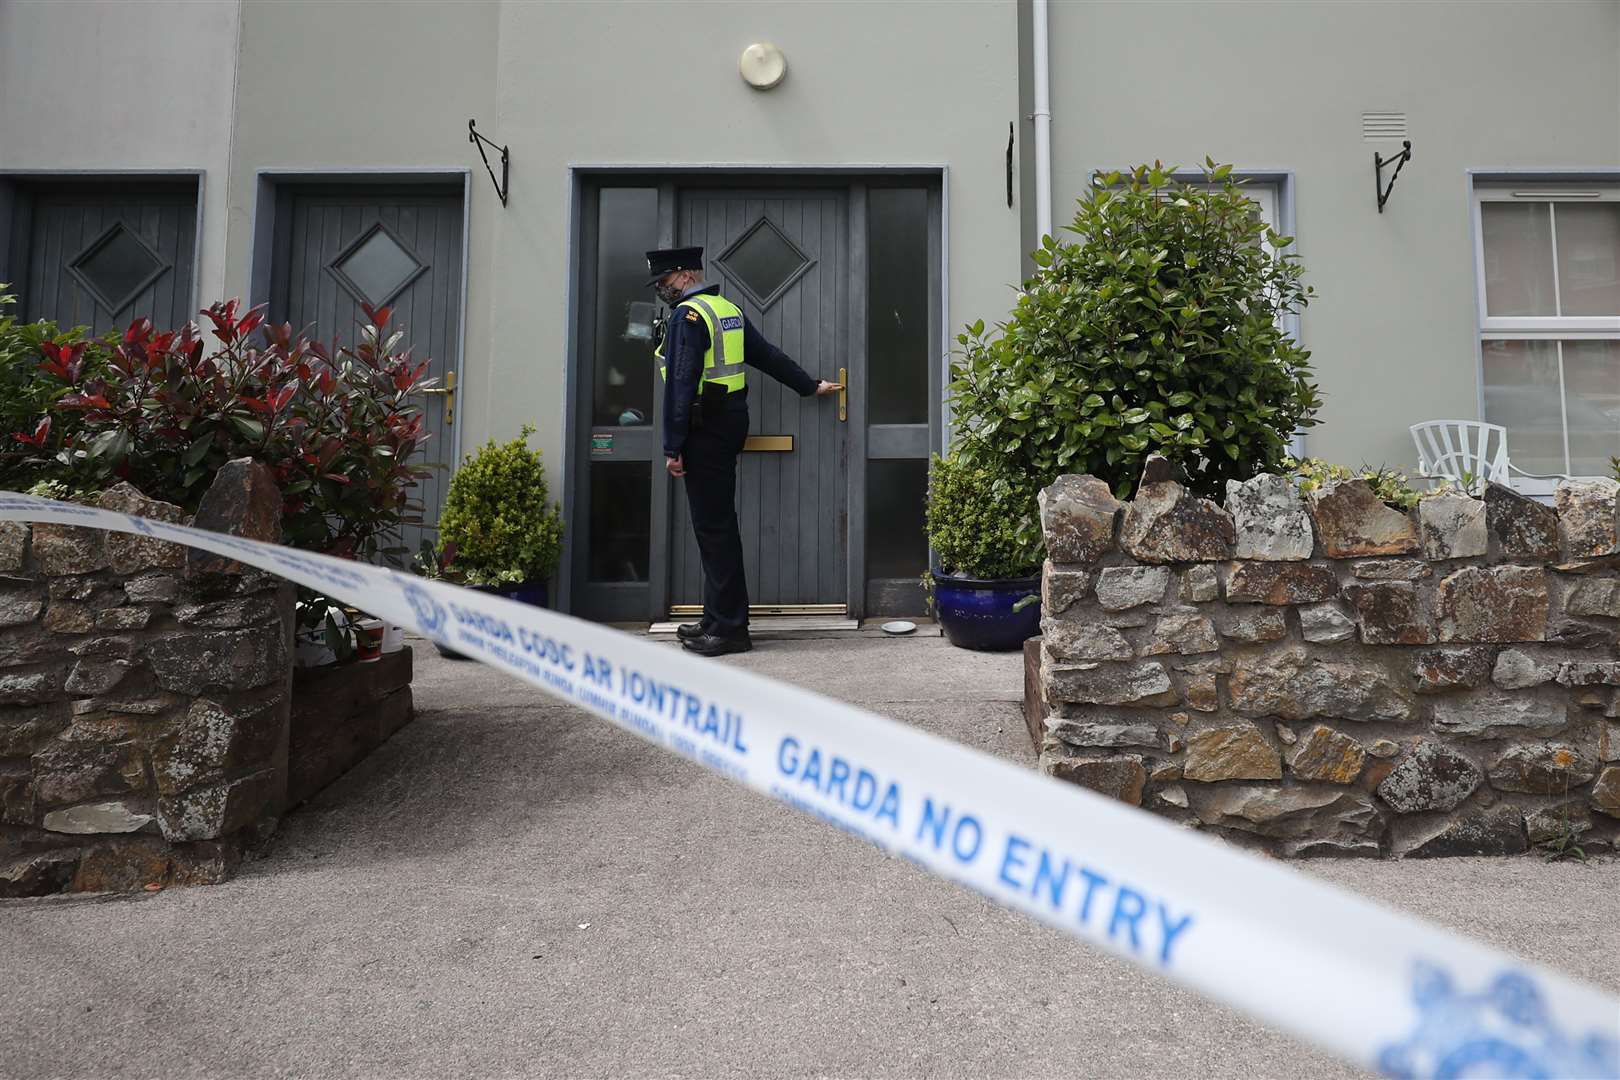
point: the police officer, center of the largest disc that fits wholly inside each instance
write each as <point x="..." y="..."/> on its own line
<point x="706" y="342"/>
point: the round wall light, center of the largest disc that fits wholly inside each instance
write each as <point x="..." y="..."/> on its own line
<point x="762" y="65"/>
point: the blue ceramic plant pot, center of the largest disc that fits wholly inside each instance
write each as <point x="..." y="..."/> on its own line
<point x="978" y="613"/>
<point x="529" y="592"/>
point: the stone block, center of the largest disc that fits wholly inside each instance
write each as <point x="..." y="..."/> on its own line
<point x="1270" y="518"/>
<point x="1067" y="640"/>
<point x="1391" y="570"/>
<point x="123" y="618"/>
<point x="1588" y="673"/>
<point x="1390" y="613"/>
<point x="1292" y="812"/>
<point x="1062" y="588"/>
<point x="1035" y="710"/>
<point x="37" y="873"/>
<point x="1452" y="526"/>
<point x="1279" y="583"/>
<point x="32" y="688"/>
<point x="217" y="737"/>
<point x="1436" y="670"/>
<point x="1352" y="522"/>
<point x="1518" y="669"/>
<point x="13" y="546"/>
<point x="1108" y="684"/>
<point x="68" y="773"/>
<point x="1490" y="714"/>
<point x="242" y="501"/>
<point x="1120" y="777"/>
<point x="191" y="663"/>
<point x="1588" y="525"/>
<point x="16" y="793"/>
<point x="1519" y="528"/>
<point x="1166" y="523"/>
<point x="1289" y="683"/>
<point x="129" y="553"/>
<point x="206" y="813"/>
<point x="1383" y="748"/>
<point x="152" y="589"/>
<point x="1231" y="752"/>
<point x="1087" y="734"/>
<point x="1575" y="635"/>
<point x="1326" y="623"/>
<point x="1496" y="831"/>
<point x="1202" y="691"/>
<point x="1122" y="587"/>
<point x="1327" y="755"/>
<point x="1608" y="742"/>
<point x="1598" y="597"/>
<point x="68" y="549"/>
<point x="100" y="817"/>
<point x="19" y="606"/>
<point x="24" y="729"/>
<point x="1606" y="791"/>
<point x="1199" y="584"/>
<point x="90" y="677"/>
<point x="1493" y="604"/>
<point x="1550" y="824"/>
<point x="1541" y="769"/>
<point x="1078" y="516"/>
<point x="1254" y="626"/>
<point x="70" y="617"/>
<point x="234" y="614"/>
<point x="1432" y="777"/>
<point x="1184" y="635"/>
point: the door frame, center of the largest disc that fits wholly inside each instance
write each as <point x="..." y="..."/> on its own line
<point x="667" y="177"/>
<point x="12" y="179"/>
<point x="270" y="205"/>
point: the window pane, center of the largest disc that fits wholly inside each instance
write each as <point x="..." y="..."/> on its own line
<point x="1518" y="259"/>
<point x="1592" y="396"/>
<point x="1588" y="259"/>
<point x="1522" y="394"/>
<point x="621" y="516"/>
<point x="764" y="260"/>
<point x="896" y="546"/>
<point x="117" y="267"/>
<point x="379" y="267"/>
<point x="623" y="369"/>
<point x="897" y="306"/>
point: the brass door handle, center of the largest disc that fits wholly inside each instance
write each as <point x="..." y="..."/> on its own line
<point x="449" y="392"/>
<point x="843" y="395"/>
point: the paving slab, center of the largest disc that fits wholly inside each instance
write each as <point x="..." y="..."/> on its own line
<point x="510" y="887"/>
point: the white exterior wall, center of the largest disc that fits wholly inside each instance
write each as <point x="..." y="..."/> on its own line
<point x="107" y="84"/>
<point x="1283" y="86"/>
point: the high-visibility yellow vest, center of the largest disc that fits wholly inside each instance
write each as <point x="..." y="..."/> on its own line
<point x="723" y="362"/>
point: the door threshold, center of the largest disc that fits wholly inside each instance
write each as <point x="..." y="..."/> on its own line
<point x="780" y="624"/>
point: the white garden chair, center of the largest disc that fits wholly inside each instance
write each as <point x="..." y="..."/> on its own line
<point x="1468" y="453"/>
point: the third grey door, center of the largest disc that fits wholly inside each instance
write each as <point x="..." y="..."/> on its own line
<point x="340" y="247"/>
<point x="782" y="256"/>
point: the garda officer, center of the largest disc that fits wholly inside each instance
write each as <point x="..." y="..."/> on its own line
<point x="706" y="342"/>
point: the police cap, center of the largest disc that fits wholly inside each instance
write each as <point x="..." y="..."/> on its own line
<point x="668" y="260"/>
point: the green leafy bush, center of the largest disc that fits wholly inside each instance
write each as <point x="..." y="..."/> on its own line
<point x="496" y="519"/>
<point x="980" y="529"/>
<point x="1157" y="331"/>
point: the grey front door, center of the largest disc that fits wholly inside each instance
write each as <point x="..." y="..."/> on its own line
<point x="338" y="248"/>
<point x="782" y="256"/>
<point x="102" y="254"/>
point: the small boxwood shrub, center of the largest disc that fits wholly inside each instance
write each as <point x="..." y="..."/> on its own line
<point x="1156" y="331"/>
<point x="980" y="529"/>
<point x="497" y="522"/>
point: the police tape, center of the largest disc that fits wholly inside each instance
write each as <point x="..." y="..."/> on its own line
<point x="1381" y="989"/>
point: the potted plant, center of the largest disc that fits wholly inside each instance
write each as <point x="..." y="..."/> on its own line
<point x="499" y="532"/>
<point x="986" y="538"/>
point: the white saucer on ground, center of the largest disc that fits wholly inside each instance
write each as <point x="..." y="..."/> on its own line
<point x="898" y="626"/>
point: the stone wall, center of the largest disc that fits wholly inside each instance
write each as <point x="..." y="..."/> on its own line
<point x="1321" y="674"/>
<point x="341" y="713"/>
<point x="144" y="697"/>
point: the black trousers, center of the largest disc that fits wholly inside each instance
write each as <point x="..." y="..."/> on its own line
<point x="710" y="457"/>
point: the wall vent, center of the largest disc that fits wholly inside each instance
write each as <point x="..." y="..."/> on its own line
<point x="1378" y="126"/>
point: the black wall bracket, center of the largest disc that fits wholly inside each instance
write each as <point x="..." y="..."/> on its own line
<point x="1380" y="163"/>
<point x="478" y="140"/>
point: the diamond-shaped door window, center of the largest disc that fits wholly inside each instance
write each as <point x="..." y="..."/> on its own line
<point x="117" y="267"/>
<point x="765" y="262"/>
<point x="377" y="266"/>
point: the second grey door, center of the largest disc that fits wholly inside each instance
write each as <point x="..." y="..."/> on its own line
<point x="341" y="247"/>
<point x="782" y="256"/>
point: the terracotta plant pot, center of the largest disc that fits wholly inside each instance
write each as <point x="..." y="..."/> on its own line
<point x="368" y="639"/>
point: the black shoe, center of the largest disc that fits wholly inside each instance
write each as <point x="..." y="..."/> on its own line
<point x="688" y="631"/>
<point x="717" y="645"/>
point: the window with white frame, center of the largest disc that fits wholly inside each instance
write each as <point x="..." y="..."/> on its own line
<point x="1547" y="264"/>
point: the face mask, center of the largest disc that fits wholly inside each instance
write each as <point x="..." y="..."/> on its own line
<point x="668" y="293"/>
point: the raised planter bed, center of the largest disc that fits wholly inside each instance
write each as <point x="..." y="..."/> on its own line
<point x="341" y="713"/>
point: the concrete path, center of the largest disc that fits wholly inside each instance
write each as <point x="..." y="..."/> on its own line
<point x="511" y="888"/>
